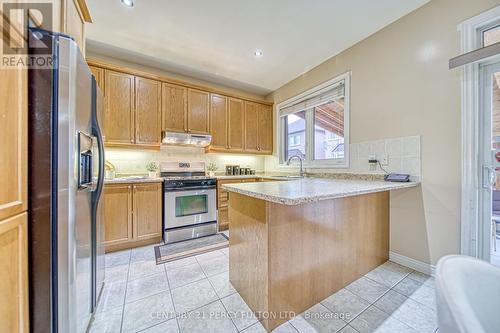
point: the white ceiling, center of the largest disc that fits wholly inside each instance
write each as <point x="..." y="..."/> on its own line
<point x="215" y="39"/>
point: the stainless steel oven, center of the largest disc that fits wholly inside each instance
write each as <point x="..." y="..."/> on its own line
<point x="190" y="208"/>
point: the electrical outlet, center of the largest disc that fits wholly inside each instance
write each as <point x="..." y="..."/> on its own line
<point x="384" y="159"/>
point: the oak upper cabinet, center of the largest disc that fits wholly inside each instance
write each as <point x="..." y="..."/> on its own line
<point x="218" y="121"/>
<point x="117" y="214"/>
<point x="132" y="215"/>
<point x="235" y="124"/>
<point x="75" y="21"/>
<point x="174" y="108"/>
<point x="198" y="111"/>
<point x="139" y="107"/>
<point x="70" y="17"/>
<point x="251" y="127"/>
<point x="147" y="211"/>
<point x="120" y="108"/>
<point x="265" y="129"/>
<point x="98" y="73"/>
<point x="147" y="112"/>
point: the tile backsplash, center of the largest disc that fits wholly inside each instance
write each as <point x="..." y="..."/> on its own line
<point x="403" y="156"/>
<point x="132" y="161"/>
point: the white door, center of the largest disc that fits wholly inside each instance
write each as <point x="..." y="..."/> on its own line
<point x="489" y="168"/>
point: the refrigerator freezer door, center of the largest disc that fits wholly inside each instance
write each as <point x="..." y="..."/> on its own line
<point x="60" y="210"/>
<point x="74" y="201"/>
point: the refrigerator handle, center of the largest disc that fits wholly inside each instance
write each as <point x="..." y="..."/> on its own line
<point x="96" y="131"/>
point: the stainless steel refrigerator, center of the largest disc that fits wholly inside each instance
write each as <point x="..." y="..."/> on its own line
<point x="66" y="172"/>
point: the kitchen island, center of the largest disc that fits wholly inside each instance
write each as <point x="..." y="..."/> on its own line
<point x="294" y="243"/>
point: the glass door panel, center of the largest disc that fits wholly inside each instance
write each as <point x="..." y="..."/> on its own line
<point x="489" y="231"/>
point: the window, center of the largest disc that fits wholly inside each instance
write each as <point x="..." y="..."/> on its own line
<point x="295" y="130"/>
<point x="491" y="36"/>
<point x="314" y="125"/>
<point x="294" y="140"/>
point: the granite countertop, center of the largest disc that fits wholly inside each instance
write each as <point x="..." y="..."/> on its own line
<point x="130" y="180"/>
<point x="295" y="192"/>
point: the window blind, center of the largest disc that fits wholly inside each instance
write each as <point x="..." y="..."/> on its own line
<point x="322" y="97"/>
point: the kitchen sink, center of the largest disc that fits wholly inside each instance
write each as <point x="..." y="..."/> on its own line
<point x="288" y="177"/>
<point x="132" y="178"/>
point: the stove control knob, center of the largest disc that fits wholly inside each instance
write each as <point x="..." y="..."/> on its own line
<point x="180" y="184"/>
<point x="204" y="183"/>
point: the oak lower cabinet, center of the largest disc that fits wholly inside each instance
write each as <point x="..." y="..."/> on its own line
<point x="13" y="135"/>
<point x="147" y="207"/>
<point x="14" y="274"/>
<point x="132" y="215"/>
<point x="14" y="306"/>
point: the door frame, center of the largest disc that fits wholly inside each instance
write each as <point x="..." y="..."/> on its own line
<point x="471" y="39"/>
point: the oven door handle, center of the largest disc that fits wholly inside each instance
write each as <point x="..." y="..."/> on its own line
<point x="190" y="188"/>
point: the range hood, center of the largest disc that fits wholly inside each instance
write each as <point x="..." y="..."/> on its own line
<point x="186" y="139"/>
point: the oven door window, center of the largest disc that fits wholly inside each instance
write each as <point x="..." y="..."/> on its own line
<point x="191" y="205"/>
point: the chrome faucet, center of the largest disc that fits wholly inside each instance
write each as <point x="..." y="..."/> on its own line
<point x="301" y="172"/>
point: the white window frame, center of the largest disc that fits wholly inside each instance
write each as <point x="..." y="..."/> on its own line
<point x="472" y="39"/>
<point x="309" y="161"/>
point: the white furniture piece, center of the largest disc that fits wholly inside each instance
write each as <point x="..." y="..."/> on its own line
<point x="467" y="295"/>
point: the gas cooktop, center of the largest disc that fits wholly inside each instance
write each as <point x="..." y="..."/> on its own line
<point x="186" y="177"/>
<point x="184" y="171"/>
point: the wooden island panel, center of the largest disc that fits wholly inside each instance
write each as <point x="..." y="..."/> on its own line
<point x="284" y="259"/>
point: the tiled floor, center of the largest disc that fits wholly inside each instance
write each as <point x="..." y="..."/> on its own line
<point x="194" y="295"/>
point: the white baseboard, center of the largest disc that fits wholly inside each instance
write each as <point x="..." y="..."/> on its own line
<point x="417" y="265"/>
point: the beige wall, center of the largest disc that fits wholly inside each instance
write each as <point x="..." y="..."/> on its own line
<point x="401" y="86"/>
